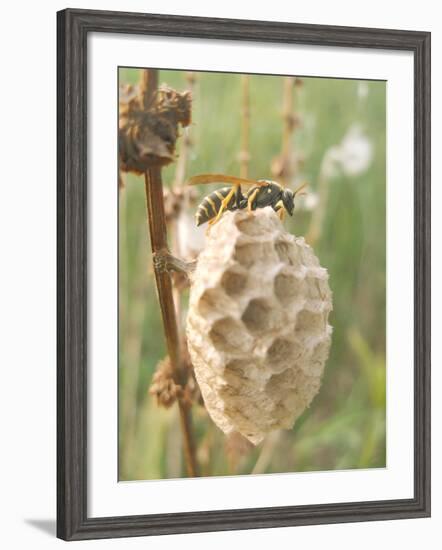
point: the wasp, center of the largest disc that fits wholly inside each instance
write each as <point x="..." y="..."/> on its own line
<point x="262" y="193"/>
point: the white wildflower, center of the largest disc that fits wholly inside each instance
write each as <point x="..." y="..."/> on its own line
<point x="356" y="152"/>
<point x="352" y="156"/>
<point x="309" y="201"/>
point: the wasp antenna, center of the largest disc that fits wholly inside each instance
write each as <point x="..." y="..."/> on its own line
<point x="300" y="188"/>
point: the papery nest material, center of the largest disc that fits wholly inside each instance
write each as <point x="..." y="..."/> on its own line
<point x="147" y="136"/>
<point x="257" y="326"/>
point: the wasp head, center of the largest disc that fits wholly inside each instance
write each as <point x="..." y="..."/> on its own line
<point x="288" y="200"/>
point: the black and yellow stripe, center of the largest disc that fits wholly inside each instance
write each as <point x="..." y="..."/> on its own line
<point x="211" y="204"/>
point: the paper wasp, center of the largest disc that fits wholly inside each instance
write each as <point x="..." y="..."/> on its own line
<point x="262" y="193"/>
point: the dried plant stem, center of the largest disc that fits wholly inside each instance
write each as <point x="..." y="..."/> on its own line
<point x="157" y="226"/>
<point x="148" y="86"/>
<point x="179" y="181"/>
<point x="288" y="116"/>
<point x="288" y="129"/>
<point x="318" y="215"/>
<point x="283" y="166"/>
<point x="185" y="143"/>
<point x="136" y="318"/>
<point x="244" y="155"/>
<point x="158" y="238"/>
<point x="267" y="453"/>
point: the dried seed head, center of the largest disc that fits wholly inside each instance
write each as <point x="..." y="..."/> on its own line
<point x="174" y="106"/>
<point x="257" y="326"/>
<point x="147" y="137"/>
<point x="163" y="386"/>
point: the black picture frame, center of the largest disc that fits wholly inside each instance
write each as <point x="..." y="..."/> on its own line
<point x="73" y="27"/>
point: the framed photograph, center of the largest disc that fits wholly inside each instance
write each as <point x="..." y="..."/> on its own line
<point x="243" y="274"/>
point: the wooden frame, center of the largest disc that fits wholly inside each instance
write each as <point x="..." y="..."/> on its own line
<point x="73" y="28"/>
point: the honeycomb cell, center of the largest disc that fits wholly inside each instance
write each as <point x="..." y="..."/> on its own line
<point x="313" y="288"/>
<point x="287" y="287"/>
<point x="248" y="254"/>
<point x="237" y="372"/>
<point x="288" y="254"/>
<point x="318" y="357"/>
<point x="228" y="336"/>
<point x="208" y="302"/>
<point x="320" y="351"/>
<point x="282" y="249"/>
<point x="239" y="366"/>
<point x="258" y="315"/>
<point x="308" y="257"/>
<point x="279" y="383"/>
<point x="255" y="253"/>
<point x="281" y="353"/>
<point x="248" y="226"/>
<point x="233" y="282"/>
<point x="309" y="323"/>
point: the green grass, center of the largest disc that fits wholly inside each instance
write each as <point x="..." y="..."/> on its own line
<point x="345" y="425"/>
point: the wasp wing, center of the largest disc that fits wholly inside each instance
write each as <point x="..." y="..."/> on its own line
<point x="204" y="179"/>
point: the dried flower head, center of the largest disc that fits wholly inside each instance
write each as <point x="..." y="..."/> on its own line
<point x="167" y="391"/>
<point x="163" y="386"/>
<point x="174" y="105"/>
<point x="147" y="136"/>
<point x="257" y="325"/>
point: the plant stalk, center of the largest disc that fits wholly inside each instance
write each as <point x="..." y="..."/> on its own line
<point x="318" y="215"/>
<point x="244" y="155"/>
<point x="179" y="184"/>
<point x="158" y="239"/>
<point x="288" y="116"/>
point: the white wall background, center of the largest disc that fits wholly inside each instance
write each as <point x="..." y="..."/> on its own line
<point x="27" y="289"/>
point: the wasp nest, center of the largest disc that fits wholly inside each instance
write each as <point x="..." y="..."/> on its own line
<point x="257" y="326"/>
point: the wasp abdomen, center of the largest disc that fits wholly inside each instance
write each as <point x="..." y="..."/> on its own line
<point x="211" y="204"/>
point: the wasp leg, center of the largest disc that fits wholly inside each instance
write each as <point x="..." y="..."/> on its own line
<point x="280" y="210"/>
<point x="239" y="200"/>
<point x="251" y="199"/>
<point x="224" y="204"/>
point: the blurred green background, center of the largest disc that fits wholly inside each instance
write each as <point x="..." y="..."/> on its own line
<point x="340" y="140"/>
